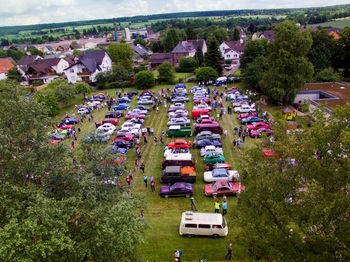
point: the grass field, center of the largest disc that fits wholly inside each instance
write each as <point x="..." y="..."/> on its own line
<point x="163" y="215"/>
<point x="338" y="23"/>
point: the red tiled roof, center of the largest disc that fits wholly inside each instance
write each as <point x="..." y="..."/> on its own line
<point x="5" y="65"/>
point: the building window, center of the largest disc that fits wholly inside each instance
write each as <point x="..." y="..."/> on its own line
<point x="85" y="78"/>
<point x="71" y="70"/>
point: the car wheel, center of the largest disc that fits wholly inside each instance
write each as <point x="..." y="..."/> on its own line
<point x="166" y="196"/>
<point x="189" y="235"/>
<point x="215" y="236"/>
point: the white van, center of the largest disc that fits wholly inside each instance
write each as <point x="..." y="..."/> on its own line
<point x="203" y="224"/>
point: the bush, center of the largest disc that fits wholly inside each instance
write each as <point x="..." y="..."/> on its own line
<point x="83" y="88"/>
<point x="166" y="73"/>
<point x="119" y="85"/>
<point x="187" y="64"/>
<point x="184" y="70"/>
<point x="37" y="83"/>
<point x="49" y="102"/>
<point x="205" y="74"/>
<point x="144" y="80"/>
<point x="328" y="75"/>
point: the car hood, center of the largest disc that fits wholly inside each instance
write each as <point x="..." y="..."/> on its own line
<point x="164" y="190"/>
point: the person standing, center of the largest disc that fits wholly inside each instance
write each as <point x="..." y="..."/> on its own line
<point x="229" y="252"/>
<point x="130" y="174"/>
<point x="128" y="180"/>
<point x="240" y="131"/>
<point x="153" y="185"/>
<point x="225" y="133"/>
<point x="234" y="144"/>
<point x="142" y="167"/>
<point x="217" y="206"/>
<point x="145" y="180"/>
<point x="243" y="137"/>
<point x="224" y="208"/>
<point x="235" y="130"/>
<point x="72" y="144"/>
<point x="145" y="139"/>
<point x="155" y="140"/>
<point x="193" y="204"/>
<point x="239" y="144"/>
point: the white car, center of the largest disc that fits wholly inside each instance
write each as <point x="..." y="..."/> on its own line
<point x="211" y="150"/>
<point x="178" y="112"/>
<point x="106" y="130"/>
<point x="107" y="127"/>
<point x="221" y="174"/>
<point x="202" y="106"/>
<point x="139" y="111"/>
<point x="175" y="151"/>
<point x="94" y="103"/>
<point x="244" y="109"/>
<point x="129" y="130"/>
<point x="130" y="124"/>
<point x="83" y="111"/>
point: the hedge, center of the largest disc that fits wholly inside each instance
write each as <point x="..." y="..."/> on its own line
<point x="125" y="84"/>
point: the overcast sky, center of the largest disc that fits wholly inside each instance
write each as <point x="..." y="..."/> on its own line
<point x="25" y="12"/>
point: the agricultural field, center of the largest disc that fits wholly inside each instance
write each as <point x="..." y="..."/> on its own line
<point x="338" y="23"/>
<point x="163" y="215"/>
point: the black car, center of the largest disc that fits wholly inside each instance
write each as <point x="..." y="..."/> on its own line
<point x="141" y="107"/>
<point x="115" y="114"/>
<point x="208" y="142"/>
<point x="70" y="120"/>
<point x="122" y="143"/>
<point x="132" y="93"/>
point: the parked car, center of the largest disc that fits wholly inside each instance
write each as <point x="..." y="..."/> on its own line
<point x="102" y="136"/>
<point x="208" y="142"/>
<point x="139" y="111"/>
<point x="220" y="188"/>
<point x="168" y="151"/>
<point x="83" y="111"/>
<point x="221" y="174"/>
<point x="179" y="131"/>
<point x="247" y="115"/>
<point x="145" y="102"/>
<point x="202" y="106"/>
<point x="179" y="99"/>
<point x="64" y="126"/>
<point x="212" y="127"/>
<point x="201" y="118"/>
<point x="119" y="150"/>
<point x="206" y="134"/>
<point x="199" y="112"/>
<point x="58" y="131"/>
<point x="115" y="114"/>
<point x="205" y="151"/>
<point x="244" y="109"/>
<point x="55" y="136"/>
<point x="179" y="143"/>
<point x="124" y="136"/>
<point x="259" y="132"/>
<point x="106" y="127"/>
<point x="201" y="100"/>
<point x="250" y="120"/>
<point x="141" y="107"/>
<point x="258" y="125"/>
<point x="129" y="130"/>
<point x="176" y="106"/>
<point x="113" y="121"/>
<point x="211" y="166"/>
<point x="134" y="115"/>
<point x="214" y="158"/>
<point x="129" y="124"/>
<point x="172" y="174"/>
<point x="70" y="120"/>
<point x="177" y="189"/>
<point x="124" y="99"/>
<point x="179" y="122"/>
<point x="123" y="143"/>
<point x="178" y="113"/>
<point x="121" y="107"/>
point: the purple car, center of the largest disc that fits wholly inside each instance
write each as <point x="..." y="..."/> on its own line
<point x="177" y="189"/>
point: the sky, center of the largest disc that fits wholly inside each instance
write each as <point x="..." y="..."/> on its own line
<point x="27" y="12"/>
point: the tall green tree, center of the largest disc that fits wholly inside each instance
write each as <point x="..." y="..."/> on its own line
<point x="252" y="50"/>
<point x="140" y="41"/>
<point x="199" y="56"/>
<point x="213" y="55"/>
<point x="343" y="48"/>
<point x="205" y="74"/>
<point x="121" y="53"/>
<point x="166" y="73"/>
<point x="236" y="34"/>
<point x="220" y="34"/>
<point x="83" y="88"/>
<point x="13" y="74"/>
<point x="295" y="206"/>
<point x="190" y="33"/>
<point x="188" y="64"/>
<point x="289" y="68"/>
<point x="144" y="80"/>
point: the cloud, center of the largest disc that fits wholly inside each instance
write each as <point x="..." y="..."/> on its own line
<point x="22" y="12"/>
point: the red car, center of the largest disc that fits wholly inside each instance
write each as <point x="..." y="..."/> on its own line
<point x="179" y="143"/>
<point x="63" y="126"/>
<point x="55" y="142"/>
<point x="200" y="100"/>
<point x="220" y="188"/>
<point x="130" y="116"/>
<point x="259" y="132"/>
<point x="113" y="121"/>
<point x="211" y="166"/>
<point x="246" y="115"/>
<point x="208" y="121"/>
<point x="258" y="125"/>
<point x="124" y="137"/>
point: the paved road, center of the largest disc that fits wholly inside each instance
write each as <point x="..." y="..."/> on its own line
<point x="235" y="67"/>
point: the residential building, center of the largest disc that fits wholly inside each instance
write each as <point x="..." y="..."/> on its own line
<point x="187" y="48"/>
<point x="139" y="52"/>
<point x="232" y="50"/>
<point x="25" y="61"/>
<point x="157" y="59"/>
<point x="87" y="65"/>
<point x="5" y="66"/>
<point x="268" y="34"/>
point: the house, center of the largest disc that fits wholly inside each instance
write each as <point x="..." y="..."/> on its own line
<point x="58" y="55"/>
<point x="24" y="62"/>
<point x="87" y="65"/>
<point x="157" y="59"/>
<point x="139" y="53"/>
<point x="5" y="66"/>
<point x="187" y="48"/>
<point x="62" y="48"/>
<point x="232" y="50"/>
<point x="268" y="34"/>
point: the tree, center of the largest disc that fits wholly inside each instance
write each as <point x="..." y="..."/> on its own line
<point x="166" y="73"/>
<point x="199" y="56"/>
<point x="51" y="208"/>
<point x="297" y="210"/>
<point x="35" y="51"/>
<point x="205" y="74"/>
<point x="252" y="50"/>
<point x="289" y="69"/>
<point x="13" y="74"/>
<point x="190" y="33"/>
<point x="213" y="56"/>
<point x="121" y="53"/>
<point x="77" y="52"/>
<point x="253" y="72"/>
<point x="187" y="64"/>
<point x="140" y="41"/>
<point x="144" y="80"/>
<point x="83" y="88"/>
<point x="49" y="102"/>
<point x="155" y="46"/>
<point x="236" y="34"/>
<point x="344" y="44"/>
<point x="220" y="34"/>
<point x="328" y="75"/>
<point x="62" y="90"/>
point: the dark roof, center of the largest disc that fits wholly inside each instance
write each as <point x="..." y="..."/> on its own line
<point x="236" y="46"/>
<point x="90" y="59"/>
<point x="27" y="60"/>
<point x="139" y="49"/>
<point x="40" y="68"/>
<point x="159" y="58"/>
<point x="49" y="62"/>
<point x="75" y="46"/>
<point x="269" y="34"/>
<point x="70" y="60"/>
<point x="188" y="46"/>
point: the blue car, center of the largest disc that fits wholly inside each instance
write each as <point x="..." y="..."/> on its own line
<point x="250" y="120"/>
<point x="119" y="150"/>
<point x="124" y="100"/>
<point x="121" y="107"/>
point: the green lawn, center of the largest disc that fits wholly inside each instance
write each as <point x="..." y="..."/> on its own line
<point x="163" y="215"/>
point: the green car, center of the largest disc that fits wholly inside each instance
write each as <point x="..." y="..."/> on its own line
<point x="179" y="131"/>
<point x="59" y="131"/>
<point x="214" y="158"/>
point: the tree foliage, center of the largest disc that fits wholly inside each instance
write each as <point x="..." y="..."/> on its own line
<point x="83" y="88"/>
<point x="190" y="33"/>
<point x="213" y="56"/>
<point x="144" y="80"/>
<point x="199" y="56"/>
<point x="205" y="74"/>
<point x="166" y="73"/>
<point x="35" y="51"/>
<point x="289" y="69"/>
<point x="328" y="75"/>
<point x="187" y="64"/>
<point x="13" y="74"/>
<point x="299" y="212"/>
<point x="140" y="41"/>
<point x="62" y="90"/>
<point x="122" y="54"/>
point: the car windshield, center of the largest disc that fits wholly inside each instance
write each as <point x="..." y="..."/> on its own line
<point x="219" y="172"/>
<point x="189" y="186"/>
<point x="214" y="187"/>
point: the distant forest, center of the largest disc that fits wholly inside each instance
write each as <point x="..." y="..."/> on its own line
<point x="315" y="15"/>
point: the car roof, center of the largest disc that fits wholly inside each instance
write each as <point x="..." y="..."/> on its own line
<point x="174" y="127"/>
<point x="221" y="184"/>
<point x="201" y="217"/>
<point x="172" y="169"/>
<point x="219" y="171"/>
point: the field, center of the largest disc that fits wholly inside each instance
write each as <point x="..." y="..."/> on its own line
<point x="163" y="215"/>
<point x="338" y="23"/>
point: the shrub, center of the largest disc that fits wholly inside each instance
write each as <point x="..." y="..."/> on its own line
<point x="328" y="75"/>
<point x="144" y="80"/>
<point x="187" y="64"/>
<point x="205" y="74"/>
<point x="166" y="73"/>
<point x="119" y="85"/>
